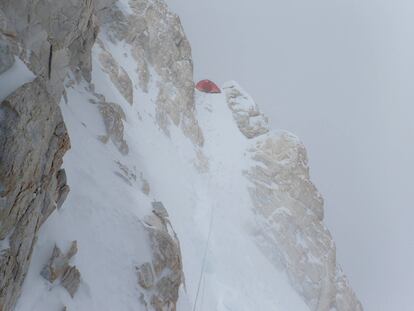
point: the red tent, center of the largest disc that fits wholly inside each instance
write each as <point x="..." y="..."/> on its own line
<point x="207" y="86"/>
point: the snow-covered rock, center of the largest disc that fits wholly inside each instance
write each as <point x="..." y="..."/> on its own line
<point x="157" y="42"/>
<point x="46" y="41"/>
<point x="290" y="229"/>
<point x="251" y="121"/>
<point x="58" y="267"/>
<point x="6" y="57"/>
<point x="33" y="139"/>
<point x="161" y="279"/>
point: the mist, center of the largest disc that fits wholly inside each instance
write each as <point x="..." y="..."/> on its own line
<point x="340" y="75"/>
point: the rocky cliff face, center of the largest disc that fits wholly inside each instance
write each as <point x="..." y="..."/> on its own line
<point x="289" y="209"/>
<point x="122" y="74"/>
<point x="291" y="230"/>
<point x="157" y="41"/>
<point x="49" y="39"/>
<point x="52" y="40"/>
<point x="34" y="139"/>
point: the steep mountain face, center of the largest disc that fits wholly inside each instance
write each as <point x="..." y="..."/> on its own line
<point x="49" y="39"/>
<point x="289" y="210"/>
<point x="178" y="200"/>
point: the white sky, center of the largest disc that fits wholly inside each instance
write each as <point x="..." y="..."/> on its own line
<point x="340" y="75"/>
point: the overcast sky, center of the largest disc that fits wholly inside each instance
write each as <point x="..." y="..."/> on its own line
<point x="340" y="75"/>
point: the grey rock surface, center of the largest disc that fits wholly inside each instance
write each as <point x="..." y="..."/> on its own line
<point x="58" y="263"/>
<point x="117" y="74"/>
<point x="162" y="278"/>
<point x="6" y="56"/>
<point x="55" y="39"/>
<point x="58" y="267"/>
<point x="50" y="40"/>
<point x="159" y="209"/>
<point x="114" y="118"/>
<point x="71" y="280"/>
<point x="251" y="122"/>
<point x="146" y="276"/>
<point x="158" y="41"/>
<point x="290" y="229"/>
<point x="33" y="139"/>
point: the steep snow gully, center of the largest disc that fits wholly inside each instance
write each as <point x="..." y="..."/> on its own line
<point x="179" y="199"/>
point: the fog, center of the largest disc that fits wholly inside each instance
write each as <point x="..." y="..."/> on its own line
<point x="340" y="75"/>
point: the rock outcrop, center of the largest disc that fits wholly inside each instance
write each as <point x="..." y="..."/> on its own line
<point x="114" y="117"/>
<point x="53" y="38"/>
<point x="50" y="40"/>
<point x="160" y="48"/>
<point x="116" y="73"/>
<point x="58" y="267"/>
<point x="162" y="278"/>
<point x="289" y="211"/>
<point x="71" y="280"/>
<point x="33" y="139"/>
<point x="249" y="119"/>
<point x="58" y="263"/>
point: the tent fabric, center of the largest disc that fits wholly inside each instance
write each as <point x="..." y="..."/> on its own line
<point x="207" y="86"/>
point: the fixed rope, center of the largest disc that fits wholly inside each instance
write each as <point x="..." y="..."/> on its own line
<point x="204" y="257"/>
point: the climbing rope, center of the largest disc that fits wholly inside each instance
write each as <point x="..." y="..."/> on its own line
<point x="204" y="256"/>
